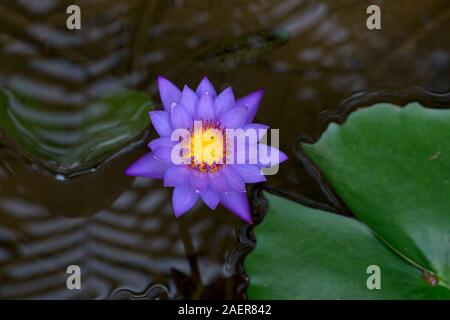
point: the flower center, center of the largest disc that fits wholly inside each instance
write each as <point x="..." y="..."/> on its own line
<point x="206" y="148"/>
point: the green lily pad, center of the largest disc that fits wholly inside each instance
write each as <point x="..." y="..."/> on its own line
<point x="69" y="140"/>
<point x="391" y="167"/>
<point x="305" y="253"/>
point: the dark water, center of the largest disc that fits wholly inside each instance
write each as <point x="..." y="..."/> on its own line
<point x="121" y="231"/>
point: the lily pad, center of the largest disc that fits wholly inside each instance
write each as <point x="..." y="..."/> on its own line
<point x="305" y="253"/>
<point x="67" y="141"/>
<point x="391" y="167"/>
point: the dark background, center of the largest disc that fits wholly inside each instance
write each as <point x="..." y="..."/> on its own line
<point x="121" y="231"/>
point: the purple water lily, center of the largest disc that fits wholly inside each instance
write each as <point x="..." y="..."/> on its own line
<point x="210" y="177"/>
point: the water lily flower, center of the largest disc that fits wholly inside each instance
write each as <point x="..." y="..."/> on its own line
<point x="218" y="175"/>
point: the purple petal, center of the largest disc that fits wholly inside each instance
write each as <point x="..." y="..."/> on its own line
<point x="161" y="122"/>
<point x="168" y="92"/>
<point x="257" y="127"/>
<point x="205" y="87"/>
<point x="250" y="173"/>
<point x="237" y="203"/>
<point x="234" y="118"/>
<point x="161" y="142"/>
<point x="234" y="179"/>
<point x="224" y="101"/>
<point x="177" y="176"/>
<point x="149" y="167"/>
<point x="210" y="197"/>
<point x="180" y="118"/>
<point x="269" y="156"/>
<point x="189" y="100"/>
<point x="244" y="154"/>
<point x="199" y="180"/>
<point x="163" y="154"/>
<point x="205" y="109"/>
<point x="252" y="102"/>
<point x="183" y="199"/>
<point x="218" y="181"/>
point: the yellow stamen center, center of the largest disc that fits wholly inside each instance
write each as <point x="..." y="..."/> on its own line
<point x="206" y="148"/>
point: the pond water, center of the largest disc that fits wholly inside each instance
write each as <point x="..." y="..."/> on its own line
<point x="315" y="59"/>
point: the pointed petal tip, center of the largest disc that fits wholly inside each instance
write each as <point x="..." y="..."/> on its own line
<point x="245" y="217"/>
<point x="257" y="94"/>
<point x="165" y="83"/>
<point x="133" y="170"/>
<point x="161" y="80"/>
<point x="237" y="203"/>
<point x="128" y="172"/>
<point x="283" y="156"/>
<point x="252" y="101"/>
<point x="147" y="166"/>
<point x="228" y="90"/>
<point x="210" y="197"/>
<point x="168" y="92"/>
<point x="178" y="214"/>
<point x="183" y="199"/>
<point x="160" y="77"/>
<point x="205" y="86"/>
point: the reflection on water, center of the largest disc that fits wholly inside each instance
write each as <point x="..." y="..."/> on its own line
<point x="308" y="55"/>
<point x="127" y="241"/>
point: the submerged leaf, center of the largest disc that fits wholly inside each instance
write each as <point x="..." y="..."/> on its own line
<point x="228" y="54"/>
<point x="69" y="140"/>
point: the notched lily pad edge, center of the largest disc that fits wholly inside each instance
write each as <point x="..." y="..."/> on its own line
<point x="355" y="103"/>
<point x="260" y="206"/>
<point x="316" y="173"/>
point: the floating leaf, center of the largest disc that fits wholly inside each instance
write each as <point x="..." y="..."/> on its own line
<point x="391" y="167"/>
<point x="305" y="253"/>
<point x="69" y="140"/>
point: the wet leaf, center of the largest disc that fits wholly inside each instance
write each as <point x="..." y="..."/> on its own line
<point x="305" y="253"/>
<point x="390" y="166"/>
<point x="69" y="140"/>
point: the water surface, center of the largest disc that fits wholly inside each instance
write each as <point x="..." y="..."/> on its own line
<point x="120" y="230"/>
